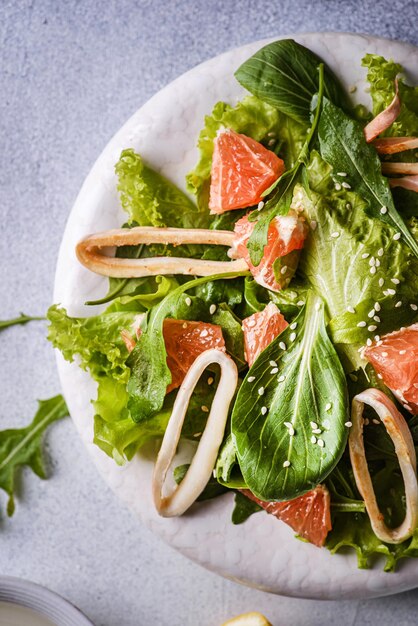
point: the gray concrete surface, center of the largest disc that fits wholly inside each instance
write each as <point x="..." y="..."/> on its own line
<point x="70" y="74"/>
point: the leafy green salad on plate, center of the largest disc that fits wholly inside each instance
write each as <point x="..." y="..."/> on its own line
<point x="270" y="314"/>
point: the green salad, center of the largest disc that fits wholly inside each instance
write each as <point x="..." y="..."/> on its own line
<point x="269" y="313"/>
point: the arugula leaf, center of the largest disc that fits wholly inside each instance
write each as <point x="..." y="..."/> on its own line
<point x="243" y="508"/>
<point x="22" y="319"/>
<point x="22" y="446"/>
<point x="311" y="378"/>
<point x="232" y="333"/>
<point x="343" y="146"/>
<point x="149" y="372"/>
<point x="284" y="74"/>
<point x="227" y="470"/>
<point x="212" y="490"/>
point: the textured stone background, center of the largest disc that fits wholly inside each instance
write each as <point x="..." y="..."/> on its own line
<point x="70" y="74"/>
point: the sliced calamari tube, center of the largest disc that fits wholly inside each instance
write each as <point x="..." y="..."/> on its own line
<point x="399" y="168"/>
<point x="400" y="434"/>
<point x="393" y="145"/>
<point x="200" y="470"/>
<point x="90" y="252"/>
<point x="406" y="182"/>
<point x="385" y="119"/>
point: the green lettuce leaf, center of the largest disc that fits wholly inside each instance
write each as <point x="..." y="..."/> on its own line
<point x="243" y="508"/>
<point x="23" y="446"/>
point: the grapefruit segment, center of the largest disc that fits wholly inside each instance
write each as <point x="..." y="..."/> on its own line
<point x="184" y="341"/>
<point x="242" y="169"/>
<point x="260" y="329"/>
<point x="285" y="239"/>
<point x="309" y="515"/>
<point x="395" y="358"/>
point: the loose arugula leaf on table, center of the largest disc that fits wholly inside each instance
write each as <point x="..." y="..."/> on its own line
<point x="243" y="508"/>
<point x="22" y="446"/>
<point x="284" y="74"/>
<point x="308" y="378"/>
<point x="22" y="319"/>
<point x="149" y="372"/>
<point x="343" y="146"/>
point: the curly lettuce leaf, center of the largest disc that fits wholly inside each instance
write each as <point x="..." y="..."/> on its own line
<point x="251" y="117"/>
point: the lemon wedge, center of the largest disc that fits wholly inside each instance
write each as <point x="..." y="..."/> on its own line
<point x="248" y="619"/>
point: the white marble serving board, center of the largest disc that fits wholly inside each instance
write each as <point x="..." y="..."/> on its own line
<point x="262" y="552"/>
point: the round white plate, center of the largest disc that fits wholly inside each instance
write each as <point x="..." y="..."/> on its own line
<point x="262" y="552"/>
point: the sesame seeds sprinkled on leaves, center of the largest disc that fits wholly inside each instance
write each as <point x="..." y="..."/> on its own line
<point x="348" y="424"/>
<point x="380" y="252"/>
<point x="362" y="324"/>
<point x="292" y="336"/>
<point x="395" y="281"/>
<point x="293" y="326"/>
<point x="263" y="410"/>
<point x="281" y="379"/>
<point x="335" y="234"/>
<point x="282" y="345"/>
<point x="212" y="309"/>
<point x="260" y="205"/>
<point x="397" y="236"/>
<point x="274" y="370"/>
<point x="313" y="439"/>
<point x="398" y="304"/>
<point x="286" y="464"/>
<point x="188" y="301"/>
<point x="321" y="443"/>
<point x="273" y="363"/>
<point x="351" y="309"/>
<point x="251" y="379"/>
<point x="414" y="307"/>
<point x="372" y="328"/>
<point x="313" y="425"/>
<point x="383" y="210"/>
<point x="365" y="255"/>
<point x="381" y="282"/>
<point x="261" y="391"/>
<point x="204" y="408"/>
<point x="328" y="406"/>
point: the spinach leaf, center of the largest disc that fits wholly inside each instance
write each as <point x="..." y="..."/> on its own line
<point x="232" y="333"/>
<point x="149" y="372"/>
<point x="343" y="146"/>
<point x="22" y="446"/>
<point x="284" y="74"/>
<point x="212" y="490"/>
<point x="227" y="470"/>
<point x="279" y="408"/>
<point x="22" y="319"/>
<point x="243" y="508"/>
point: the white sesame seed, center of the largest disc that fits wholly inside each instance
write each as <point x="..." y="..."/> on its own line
<point x="365" y="255"/>
<point x="263" y="410"/>
<point x="271" y="142"/>
<point x="328" y="406"/>
<point x="292" y="336"/>
<point x="377" y="263"/>
<point x="362" y="324"/>
<point x="377" y="337"/>
<point x="377" y="306"/>
<point x="273" y="363"/>
<point x="376" y="318"/>
<point x="274" y="370"/>
<point x="348" y="206"/>
<point x="184" y="325"/>
<point x="380" y="376"/>
<point x="348" y="424"/>
<point x="383" y="210"/>
<point x="317" y="431"/>
<point x="380" y="252"/>
<point x="341" y="173"/>
<point x="372" y="261"/>
<point x="414" y="307"/>
<point x="260" y="205"/>
<point x="313" y="425"/>
<point x="371" y="328"/>
<point x="337" y="187"/>
<point x="313" y="439"/>
<point x="286" y="464"/>
<point x="204" y="408"/>
<point x="212" y="309"/>
<point x="314" y="224"/>
<point x="283" y="270"/>
<point x="398" y="304"/>
<point x="381" y="282"/>
<point x="391" y="292"/>
<point x="198" y="435"/>
<point x="351" y="309"/>
<point x="402" y="352"/>
<point x="261" y="391"/>
<point x="375" y="421"/>
<point x="373" y="270"/>
<point x="188" y="301"/>
<point x="280" y="379"/>
<point x="397" y="236"/>
<point x="293" y="326"/>
<point x="371" y="313"/>
<point x="300" y="303"/>
<point x="291" y="431"/>
<point x="335" y="234"/>
<point x="282" y="345"/>
<point x="321" y="443"/>
<point x="368" y="342"/>
<point x="210" y="381"/>
<point x="288" y="424"/>
<point x="346" y="186"/>
<point x="251" y="379"/>
<point x="395" y="281"/>
<point x="204" y="333"/>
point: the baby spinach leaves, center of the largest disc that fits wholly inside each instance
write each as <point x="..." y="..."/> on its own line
<point x="288" y="419"/>
<point x="344" y="147"/>
<point x="284" y="74"/>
